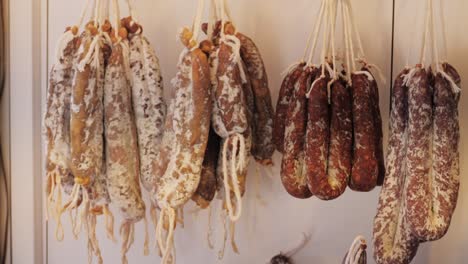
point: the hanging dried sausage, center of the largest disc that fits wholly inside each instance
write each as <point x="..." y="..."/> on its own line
<point x="329" y="139"/>
<point x="262" y="124"/>
<point x="293" y="174"/>
<point x="434" y="136"/>
<point x="284" y="99"/>
<point x="393" y="240"/>
<point x="365" y="170"/>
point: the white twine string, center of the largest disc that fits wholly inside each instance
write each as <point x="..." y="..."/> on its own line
<point x="97" y="13"/>
<point x="83" y="13"/>
<point x="131" y="10"/>
<point x="109" y="220"/>
<point x="324" y="41"/>
<point x="68" y="36"/>
<point x="356" y="31"/>
<point x="116" y="26"/>
<point x="197" y="20"/>
<point x="235" y="140"/>
<point x="318" y="26"/>
<point x="212" y="20"/>
<point x="332" y="20"/>
<point x="355" y="250"/>
<point x="426" y="33"/>
<point x="435" y="48"/>
<point x="350" y="36"/>
<point x="222" y="13"/>
<point x="227" y="11"/>
<point x="314" y="32"/>
<point x="347" y="44"/>
<point x="455" y="87"/>
<point x="444" y="32"/>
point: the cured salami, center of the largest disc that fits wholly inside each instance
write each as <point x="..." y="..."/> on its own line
<point x="365" y="169"/>
<point x="293" y="174"/>
<point x="393" y="240"/>
<point x="188" y="129"/>
<point x="329" y="139"/>
<point x="148" y="104"/>
<point x="230" y="112"/>
<point x="379" y="153"/>
<point x="56" y="129"/>
<point x="191" y="112"/>
<point x="122" y="160"/>
<point x="56" y="120"/>
<point x="262" y="125"/>
<point x="86" y="127"/>
<point x="433" y="136"/>
<point x="206" y="190"/>
<point x="284" y="99"/>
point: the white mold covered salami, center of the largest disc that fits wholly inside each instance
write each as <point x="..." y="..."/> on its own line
<point x="56" y="119"/>
<point x="121" y="141"/>
<point x="148" y="104"/>
<point x="86" y="127"/>
<point x="190" y="125"/>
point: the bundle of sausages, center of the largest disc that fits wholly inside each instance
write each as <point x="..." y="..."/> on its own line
<point x="420" y="192"/>
<point x="103" y="124"/>
<point x="328" y="125"/>
<point x="221" y="114"/>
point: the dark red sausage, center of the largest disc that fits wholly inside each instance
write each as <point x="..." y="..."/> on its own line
<point x="284" y="99"/>
<point x="379" y="153"/>
<point x="292" y="167"/>
<point x="365" y="168"/>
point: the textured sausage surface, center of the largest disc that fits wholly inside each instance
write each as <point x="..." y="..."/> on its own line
<point x="262" y="132"/>
<point x="434" y="135"/>
<point x="293" y="174"/>
<point x="122" y="160"/>
<point x="393" y="241"/>
<point x="190" y="127"/>
<point x="365" y="166"/>
<point x="148" y="104"/>
<point x="229" y="111"/>
<point x="329" y="139"/>
<point x="57" y="117"/>
<point x="284" y="99"/>
<point x="86" y="126"/>
<point x="379" y="152"/>
<point x="208" y="181"/>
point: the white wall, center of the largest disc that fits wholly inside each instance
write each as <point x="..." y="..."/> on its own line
<point x="280" y="29"/>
